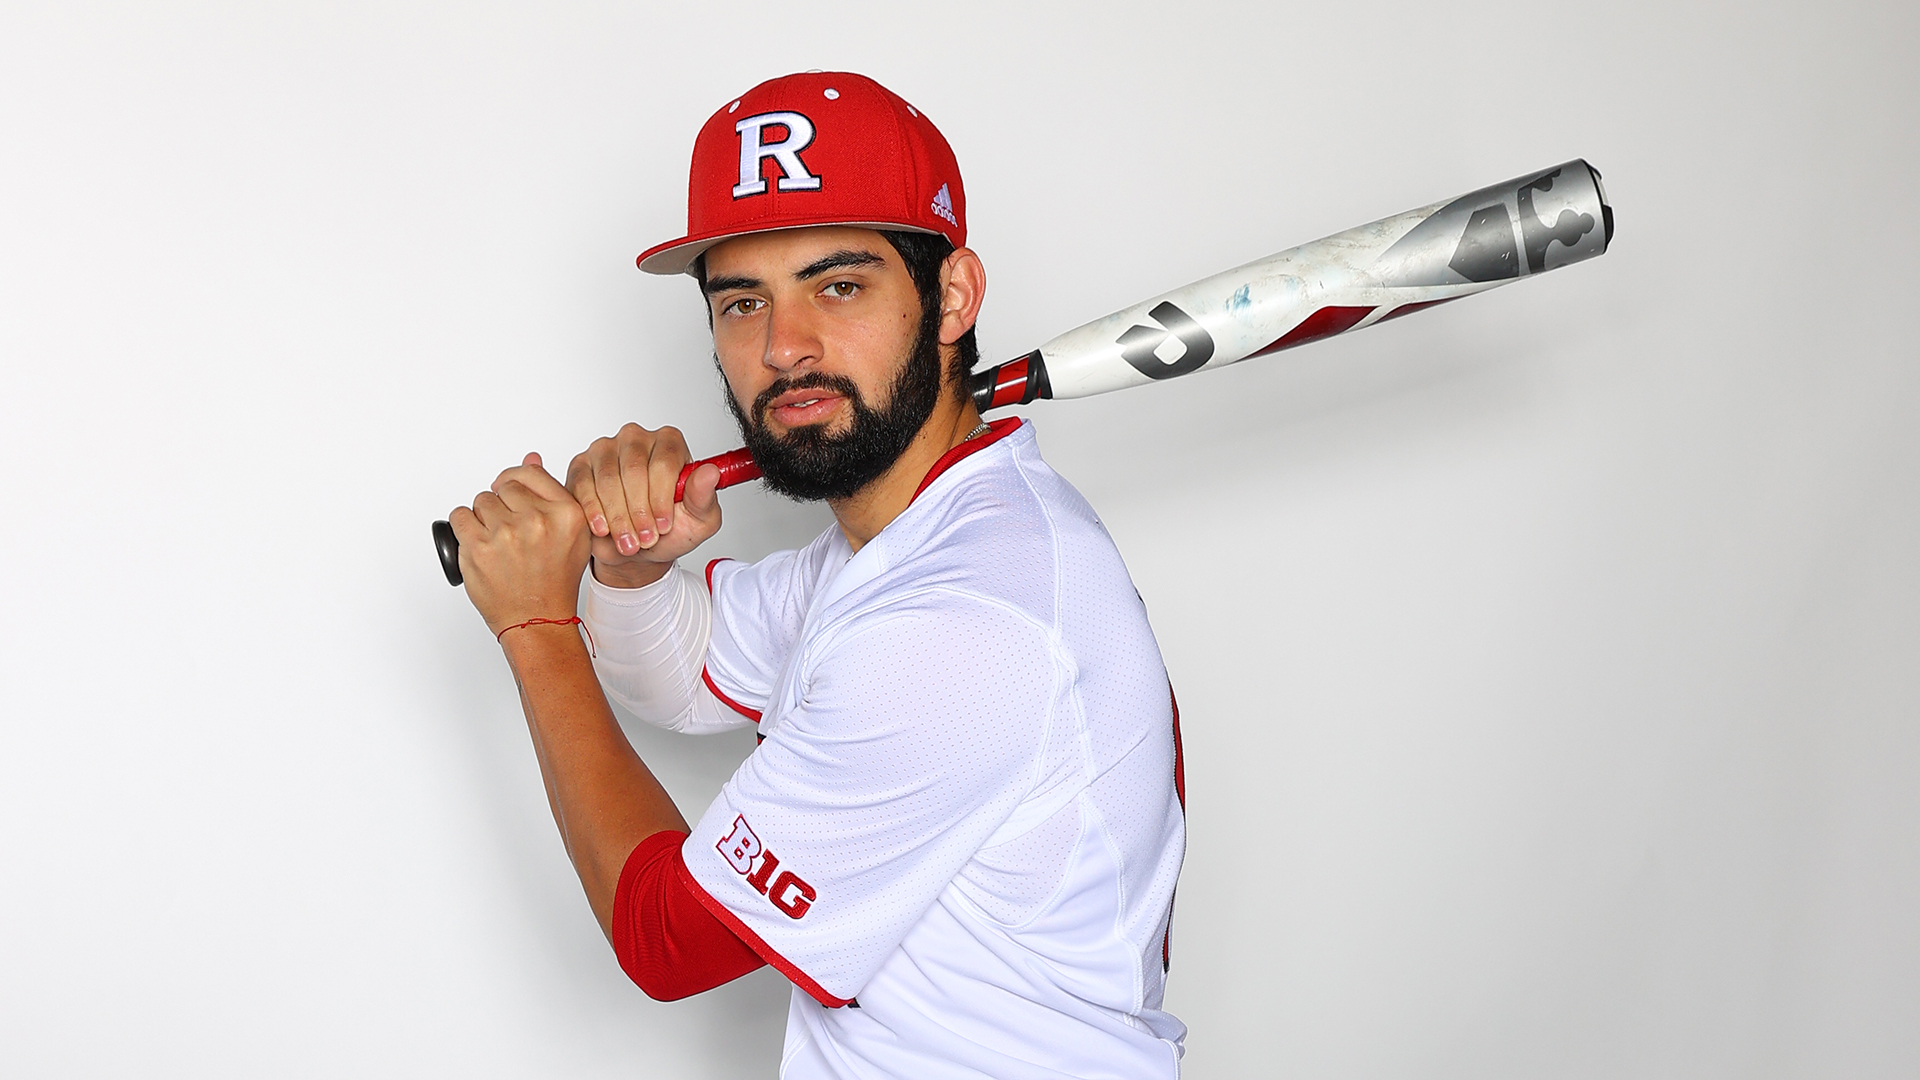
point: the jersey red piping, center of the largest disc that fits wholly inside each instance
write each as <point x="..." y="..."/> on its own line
<point x="1179" y="765"/>
<point x="995" y="432"/>
<point x="705" y="677"/>
<point x="751" y="714"/>
<point x="1179" y="789"/>
<point x="732" y="922"/>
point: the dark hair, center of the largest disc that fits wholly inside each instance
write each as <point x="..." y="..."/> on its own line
<point x="924" y="254"/>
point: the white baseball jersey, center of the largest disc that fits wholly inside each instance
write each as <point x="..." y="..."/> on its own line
<point x="961" y="834"/>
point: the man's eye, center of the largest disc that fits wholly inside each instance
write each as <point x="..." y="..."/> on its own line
<point x="841" y="290"/>
<point x="746" y="305"/>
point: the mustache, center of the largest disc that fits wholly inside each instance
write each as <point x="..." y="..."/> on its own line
<point x="812" y="380"/>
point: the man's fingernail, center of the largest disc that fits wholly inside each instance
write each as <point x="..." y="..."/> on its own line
<point x="646" y="537"/>
<point x="627" y="544"/>
<point x="665" y="525"/>
<point x="599" y="525"/>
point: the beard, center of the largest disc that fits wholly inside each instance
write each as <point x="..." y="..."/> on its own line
<point x="807" y="463"/>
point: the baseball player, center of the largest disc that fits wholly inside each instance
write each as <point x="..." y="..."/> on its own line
<point x="960" y="832"/>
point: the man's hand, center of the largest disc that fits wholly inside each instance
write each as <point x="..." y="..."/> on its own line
<point x="624" y="486"/>
<point x="523" y="546"/>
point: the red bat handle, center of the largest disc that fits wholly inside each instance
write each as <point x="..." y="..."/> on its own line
<point x="736" y="467"/>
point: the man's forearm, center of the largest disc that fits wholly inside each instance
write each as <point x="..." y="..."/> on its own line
<point x="604" y="798"/>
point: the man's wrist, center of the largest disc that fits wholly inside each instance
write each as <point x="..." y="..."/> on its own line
<point x="541" y="639"/>
<point x="628" y="575"/>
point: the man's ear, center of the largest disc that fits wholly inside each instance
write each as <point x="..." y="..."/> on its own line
<point x="963" y="288"/>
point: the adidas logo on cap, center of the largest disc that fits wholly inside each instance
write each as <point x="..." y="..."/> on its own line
<point x="943" y="205"/>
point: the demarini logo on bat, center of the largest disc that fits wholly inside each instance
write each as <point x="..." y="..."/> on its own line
<point x="1140" y="344"/>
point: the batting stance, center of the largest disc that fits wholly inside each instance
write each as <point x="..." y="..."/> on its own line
<point x="960" y="833"/>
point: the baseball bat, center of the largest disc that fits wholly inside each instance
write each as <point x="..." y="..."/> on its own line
<point x="1392" y="267"/>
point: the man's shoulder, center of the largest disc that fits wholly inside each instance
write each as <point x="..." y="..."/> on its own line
<point x="1002" y="526"/>
<point x="1007" y="490"/>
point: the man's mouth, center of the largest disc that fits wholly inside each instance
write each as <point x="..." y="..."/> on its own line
<point x="798" y="408"/>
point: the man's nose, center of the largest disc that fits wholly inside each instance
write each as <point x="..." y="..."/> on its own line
<point x="793" y="339"/>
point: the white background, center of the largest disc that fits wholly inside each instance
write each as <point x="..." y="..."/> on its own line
<point x="1541" y="656"/>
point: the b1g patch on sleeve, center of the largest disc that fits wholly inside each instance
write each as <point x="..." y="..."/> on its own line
<point x="743" y="851"/>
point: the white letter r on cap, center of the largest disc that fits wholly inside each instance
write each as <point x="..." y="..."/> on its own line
<point x="786" y="152"/>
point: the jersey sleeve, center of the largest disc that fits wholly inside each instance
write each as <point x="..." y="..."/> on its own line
<point x="917" y="731"/>
<point x="650" y="645"/>
<point x="666" y="941"/>
<point x="758" y="609"/>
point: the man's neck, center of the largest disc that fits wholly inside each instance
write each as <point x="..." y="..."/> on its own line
<point x="864" y="513"/>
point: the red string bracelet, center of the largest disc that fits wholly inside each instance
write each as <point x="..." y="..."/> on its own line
<point x="574" y="621"/>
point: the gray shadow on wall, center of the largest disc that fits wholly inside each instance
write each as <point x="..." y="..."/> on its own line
<point x="744" y="1024"/>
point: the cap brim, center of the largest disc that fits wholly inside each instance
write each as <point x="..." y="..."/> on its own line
<point x="678" y="256"/>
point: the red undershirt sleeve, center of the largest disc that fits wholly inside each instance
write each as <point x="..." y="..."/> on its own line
<point x="666" y="940"/>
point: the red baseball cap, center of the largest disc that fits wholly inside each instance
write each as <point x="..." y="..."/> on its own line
<point x="820" y="148"/>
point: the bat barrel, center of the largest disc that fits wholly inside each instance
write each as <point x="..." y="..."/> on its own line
<point x="1395" y="266"/>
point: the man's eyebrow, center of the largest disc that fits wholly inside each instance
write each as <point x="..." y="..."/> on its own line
<point x="716" y="285"/>
<point x="843" y="258"/>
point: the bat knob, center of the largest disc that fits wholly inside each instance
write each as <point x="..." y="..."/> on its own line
<point x="447" y="546"/>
